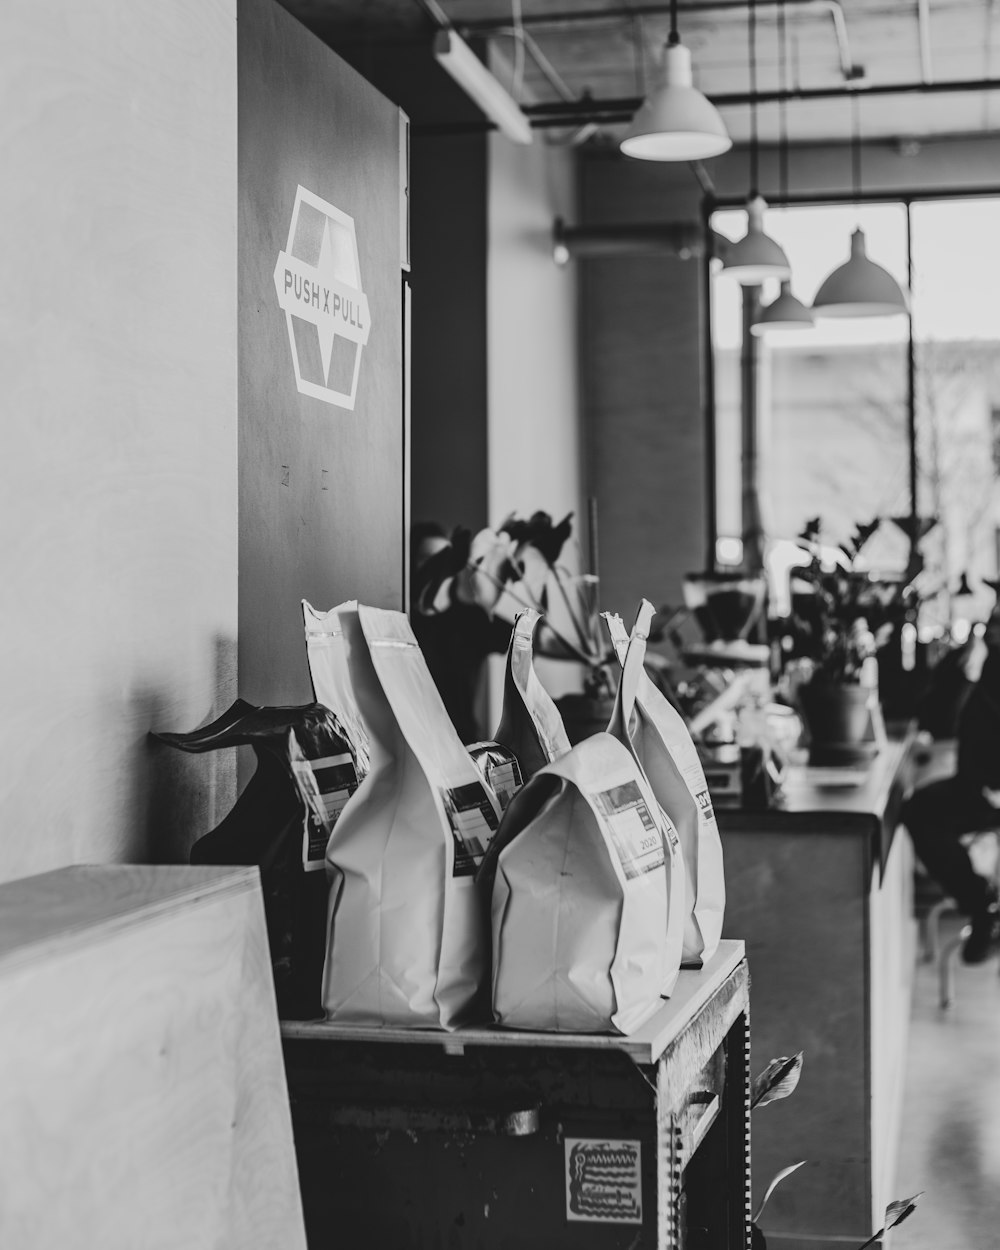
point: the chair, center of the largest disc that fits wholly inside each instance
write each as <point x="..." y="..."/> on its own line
<point x="984" y="847"/>
<point x="932" y="760"/>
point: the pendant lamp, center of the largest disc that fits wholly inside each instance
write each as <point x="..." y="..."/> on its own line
<point x="676" y="122"/>
<point x="786" y="312"/>
<point x="859" y="287"/>
<point x="756" y="257"/>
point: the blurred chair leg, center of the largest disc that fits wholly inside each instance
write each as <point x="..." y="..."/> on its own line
<point x="946" y="968"/>
<point x="932" y="928"/>
<point x="924" y="940"/>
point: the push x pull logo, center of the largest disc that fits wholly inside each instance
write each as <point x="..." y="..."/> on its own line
<point x="318" y="282"/>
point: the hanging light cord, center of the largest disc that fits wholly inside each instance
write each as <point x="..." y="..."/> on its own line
<point x="673" y="38"/>
<point x="783" y="106"/>
<point x="752" y="39"/>
<point x="639" y="43"/>
<point x="515" y="13"/>
<point x="855" y="145"/>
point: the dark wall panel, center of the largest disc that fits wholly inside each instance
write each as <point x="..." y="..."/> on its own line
<point x="448" y="233"/>
<point x="320" y="487"/>
<point x="641" y="351"/>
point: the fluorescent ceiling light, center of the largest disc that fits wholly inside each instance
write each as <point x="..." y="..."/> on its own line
<point x="454" y="55"/>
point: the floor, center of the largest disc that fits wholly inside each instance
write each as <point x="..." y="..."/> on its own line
<point x="951" y="1122"/>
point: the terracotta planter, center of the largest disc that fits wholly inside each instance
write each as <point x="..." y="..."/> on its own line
<point x="838" y="721"/>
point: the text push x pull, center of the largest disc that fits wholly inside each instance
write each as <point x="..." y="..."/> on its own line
<point x="317" y="279"/>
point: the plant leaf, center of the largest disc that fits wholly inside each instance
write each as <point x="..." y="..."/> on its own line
<point x="778" y="1080"/>
<point x="775" y="1182"/>
<point x="896" y="1212"/>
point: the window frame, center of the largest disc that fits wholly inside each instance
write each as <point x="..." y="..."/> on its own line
<point x="712" y="204"/>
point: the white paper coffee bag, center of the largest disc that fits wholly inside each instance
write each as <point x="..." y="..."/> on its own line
<point x="582" y="939"/>
<point x="669" y="758"/>
<point x="408" y="933"/>
<point x="579" y="906"/>
<point x="678" y="898"/>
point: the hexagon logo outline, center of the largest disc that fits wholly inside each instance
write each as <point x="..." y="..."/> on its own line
<point x="317" y="279"/>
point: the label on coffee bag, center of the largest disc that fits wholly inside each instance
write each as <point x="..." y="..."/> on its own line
<point x="505" y="780"/>
<point x="670" y="829"/>
<point x="333" y="780"/>
<point x="473" y="824"/>
<point x="634" y="833"/>
<point x="696" y="783"/>
<point x="704" y="801"/>
<point x="337" y="779"/>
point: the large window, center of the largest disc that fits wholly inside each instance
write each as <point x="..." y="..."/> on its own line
<point x="838" y="406"/>
<point x="956" y="332"/>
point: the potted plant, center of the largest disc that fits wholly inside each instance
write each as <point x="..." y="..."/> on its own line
<point x="841" y="614"/>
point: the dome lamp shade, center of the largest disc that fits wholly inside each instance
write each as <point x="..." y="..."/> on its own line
<point x="756" y="257"/>
<point x="784" y="313"/>
<point x="860" y="288"/>
<point x="676" y="122"/>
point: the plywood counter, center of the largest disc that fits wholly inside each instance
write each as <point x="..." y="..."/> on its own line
<point x="142" y="1095"/>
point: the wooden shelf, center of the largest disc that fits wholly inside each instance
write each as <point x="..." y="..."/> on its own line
<point x="693" y="990"/>
<point x="478" y="1138"/>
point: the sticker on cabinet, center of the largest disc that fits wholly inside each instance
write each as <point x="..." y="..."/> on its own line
<point x="603" y="1180"/>
<point x="317" y="279"/>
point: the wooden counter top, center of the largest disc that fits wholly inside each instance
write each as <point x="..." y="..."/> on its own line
<point x="863" y="800"/>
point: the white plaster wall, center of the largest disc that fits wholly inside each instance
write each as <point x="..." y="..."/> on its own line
<point x="534" y="450"/>
<point x="534" y="445"/>
<point x="118" y="478"/>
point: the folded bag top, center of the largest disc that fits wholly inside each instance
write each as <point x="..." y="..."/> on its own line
<point x="530" y="724"/>
<point x="330" y="637"/>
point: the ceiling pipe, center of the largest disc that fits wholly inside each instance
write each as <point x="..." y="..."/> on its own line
<point x="848" y="69"/>
<point x="618" y="110"/>
<point x="924" y="31"/>
<point x="542" y="62"/>
<point x="679" y="240"/>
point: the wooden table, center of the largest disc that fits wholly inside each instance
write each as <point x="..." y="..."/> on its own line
<point x="821" y="890"/>
<point x="497" y="1139"/>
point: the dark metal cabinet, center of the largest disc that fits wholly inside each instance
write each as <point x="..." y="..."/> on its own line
<point x="487" y="1139"/>
<point x="820" y="888"/>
